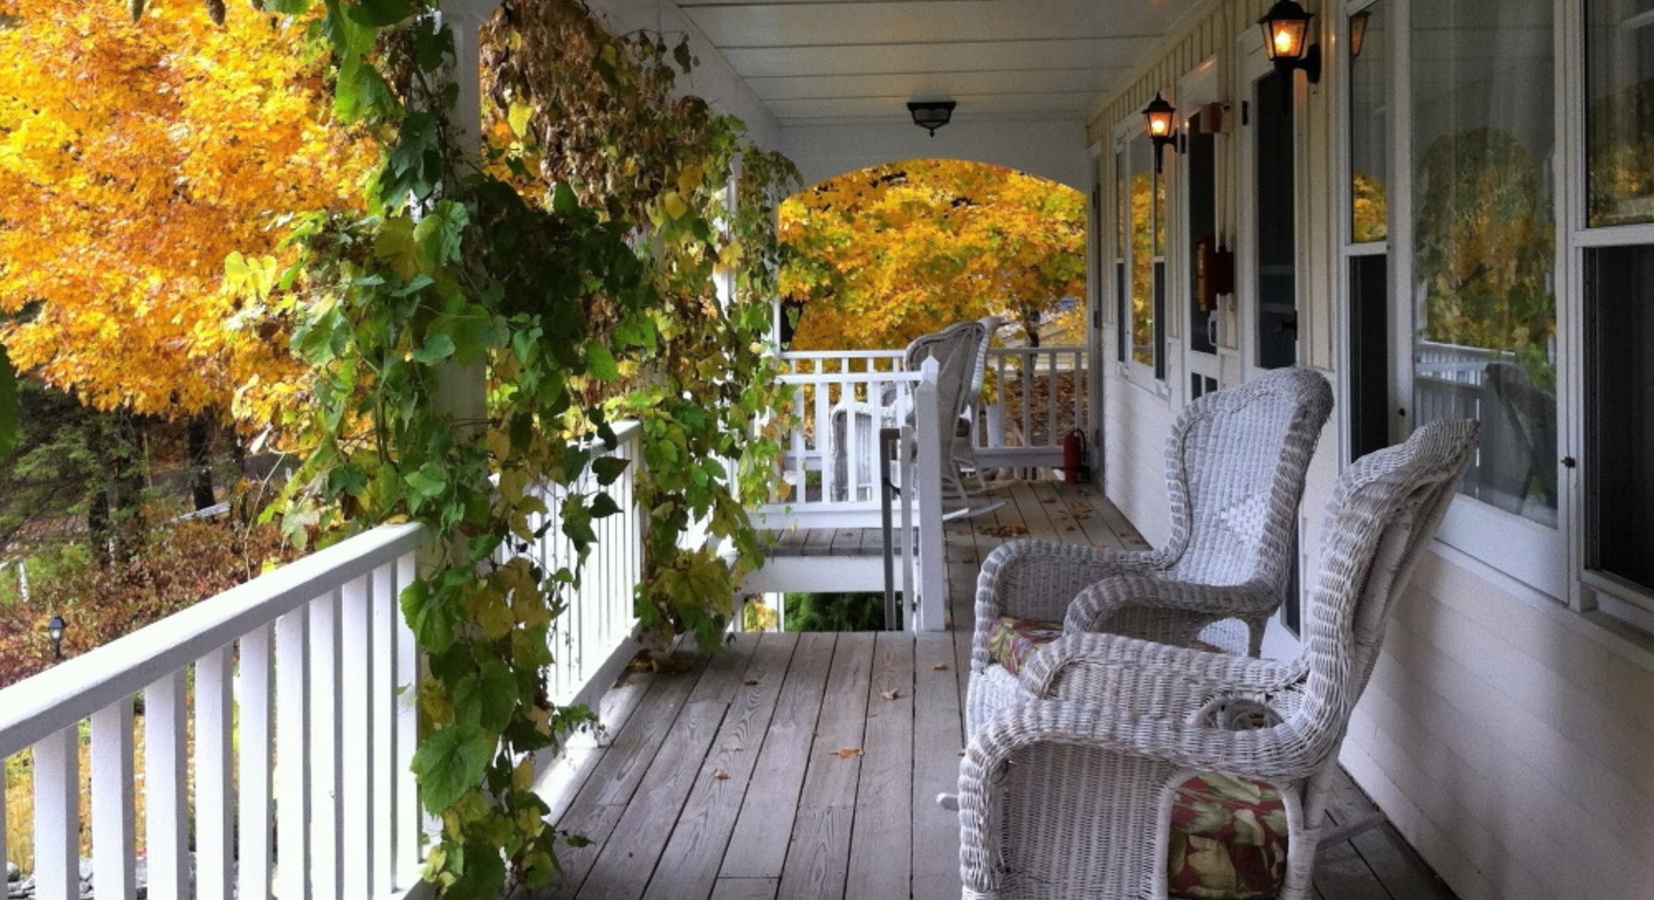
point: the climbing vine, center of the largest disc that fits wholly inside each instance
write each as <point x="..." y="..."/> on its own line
<point x="585" y="267"/>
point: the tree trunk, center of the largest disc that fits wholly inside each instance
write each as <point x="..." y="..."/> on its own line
<point x="127" y="470"/>
<point x="199" y="434"/>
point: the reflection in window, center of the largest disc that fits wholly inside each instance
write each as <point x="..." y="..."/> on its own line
<point x="1121" y="228"/>
<point x="1369" y="115"/>
<point x="1483" y="240"/>
<point x="1619" y="132"/>
<point x="1145" y="240"/>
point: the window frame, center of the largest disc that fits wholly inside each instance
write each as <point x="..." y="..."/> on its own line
<point x="1151" y="376"/>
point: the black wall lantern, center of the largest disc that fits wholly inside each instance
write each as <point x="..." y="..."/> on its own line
<point x="931" y="114"/>
<point x="1160" y="121"/>
<point x="54" y="631"/>
<point x="1286" y="39"/>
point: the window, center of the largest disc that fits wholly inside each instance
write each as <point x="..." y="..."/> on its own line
<point x="1619" y="464"/>
<point x="1619" y="132"/>
<point x="1366" y="251"/>
<point x="1122" y="294"/>
<point x="1145" y="254"/>
<point x="1483" y="241"/>
<point x="1618" y="269"/>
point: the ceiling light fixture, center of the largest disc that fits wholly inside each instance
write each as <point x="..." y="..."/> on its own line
<point x="931" y="114"/>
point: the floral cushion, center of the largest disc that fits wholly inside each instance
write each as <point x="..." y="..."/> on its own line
<point x="1011" y="641"/>
<point x="1228" y="839"/>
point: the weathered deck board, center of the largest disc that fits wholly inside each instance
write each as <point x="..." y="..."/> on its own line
<point x="696" y="849"/>
<point x="817" y="860"/>
<point x="759" y="845"/>
<point x="881" y="843"/>
<point x="793" y="820"/>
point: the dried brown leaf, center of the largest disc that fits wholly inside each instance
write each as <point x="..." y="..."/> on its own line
<point x="847" y="752"/>
<point x="720" y="774"/>
<point x="734" y="748"/>
<point x="939" y="667"/>
<point x="891" y="694"/>
<point x="750" y="682"/>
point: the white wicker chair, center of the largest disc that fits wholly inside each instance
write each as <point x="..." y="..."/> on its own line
<point x="1235" y="467"/>
<point x="1068" y="794"/>
<point x="956" y="349"/>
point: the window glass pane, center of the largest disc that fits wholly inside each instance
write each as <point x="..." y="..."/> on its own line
<point x="1619" y="463"/>
<point x="1483" y="240"/>
<point x="1369" y="124"/>
<point x="1122" y="227"/>
<point x="1619" y="114"/>
<point x="1143" y="242"/>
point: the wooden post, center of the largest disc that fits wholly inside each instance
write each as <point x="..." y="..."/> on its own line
<point x="933" y="583"/>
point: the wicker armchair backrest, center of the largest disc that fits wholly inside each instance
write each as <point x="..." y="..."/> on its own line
<point x="1235" y="468"/>
<point x="1383" y="512"/>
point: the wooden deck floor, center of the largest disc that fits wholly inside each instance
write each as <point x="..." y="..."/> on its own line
<point x="802" y="766"/>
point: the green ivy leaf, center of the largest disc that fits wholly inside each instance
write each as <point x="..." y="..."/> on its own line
<point x="428" y="481"/>
<point x="431" y="620"/>
<point x="451" y="762"/>
<point x="437" y="347"/>
<point x="601" y="362"/>
<point x="487" y="698"/>
<point x="379" y="13"/>
<point x="604" y="506"/>
<point x="609" y="468"/>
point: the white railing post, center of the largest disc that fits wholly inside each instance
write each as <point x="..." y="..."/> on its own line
<point x="292" y="755"/>
<point x="57" y="816"/>
<point x="113" y="802"/>
<point x="382" y="697"/>
<point x="256" y="700"/>
<point x="214" y="788"/>
<point x="355" y="795"/>
<point x="932" y="568"/>
<point x="166" y="809"/>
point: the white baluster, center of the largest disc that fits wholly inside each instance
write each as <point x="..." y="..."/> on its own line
<point x="386" y="617"/>
<point x="166" y="808"/>
<point x="57" y="816"/>
<point x="214" y="729"/>
<point x="292" y="756"/>
<point x="408" y="816"/>
<point x="113" y="806"/>
<point x="255" y="703"/>
<point x="355" y="793"/>
<point x="325" y="826"/>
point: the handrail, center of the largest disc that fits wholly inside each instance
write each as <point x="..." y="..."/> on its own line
<point x="76" y="688"/>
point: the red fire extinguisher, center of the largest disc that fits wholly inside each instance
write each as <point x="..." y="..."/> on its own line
<point x="1073" y="457"/>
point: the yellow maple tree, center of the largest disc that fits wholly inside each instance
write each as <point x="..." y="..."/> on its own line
<point x="885" y="254"/>
<point x="135" y="158"/>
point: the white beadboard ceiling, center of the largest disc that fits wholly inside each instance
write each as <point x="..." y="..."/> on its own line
<point x="826" y="62"/>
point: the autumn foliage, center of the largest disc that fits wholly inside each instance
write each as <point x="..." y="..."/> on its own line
<point x="891" y="252"/>
<point x="134" y="158"/>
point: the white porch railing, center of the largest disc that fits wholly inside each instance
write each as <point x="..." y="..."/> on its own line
<point x="301" y="731"/>
<point x="300" y="739"/>
<point x="1032" y="397"/>
<point x="587" y="640"/>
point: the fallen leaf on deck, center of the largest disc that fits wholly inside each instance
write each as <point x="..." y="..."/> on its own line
<point x="939" y="667"/>
<point x="720" y="774"/>
<point x="1006" y="531"/>
<point x="961" y="751"/>
<point x="749" y="682"/>
<point x="891" y="694"/>
<point x="733" y="748"/>
<point x="847" y="752"/>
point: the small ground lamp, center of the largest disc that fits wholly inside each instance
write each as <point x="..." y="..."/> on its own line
<point x="1286" y="40"/>
<point x="54" y="632"/>
<point x="1160" y="121"/>
<point x="931" y="114"/>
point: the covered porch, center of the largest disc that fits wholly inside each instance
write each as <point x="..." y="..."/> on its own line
<point x="807" y="765"/>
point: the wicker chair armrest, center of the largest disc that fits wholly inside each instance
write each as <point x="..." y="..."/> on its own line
<point x="1032" y="579"/>
<point x="1278" y="753"/>
<point x="1150" y="678"/>
<point x="1111" y="597"/>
